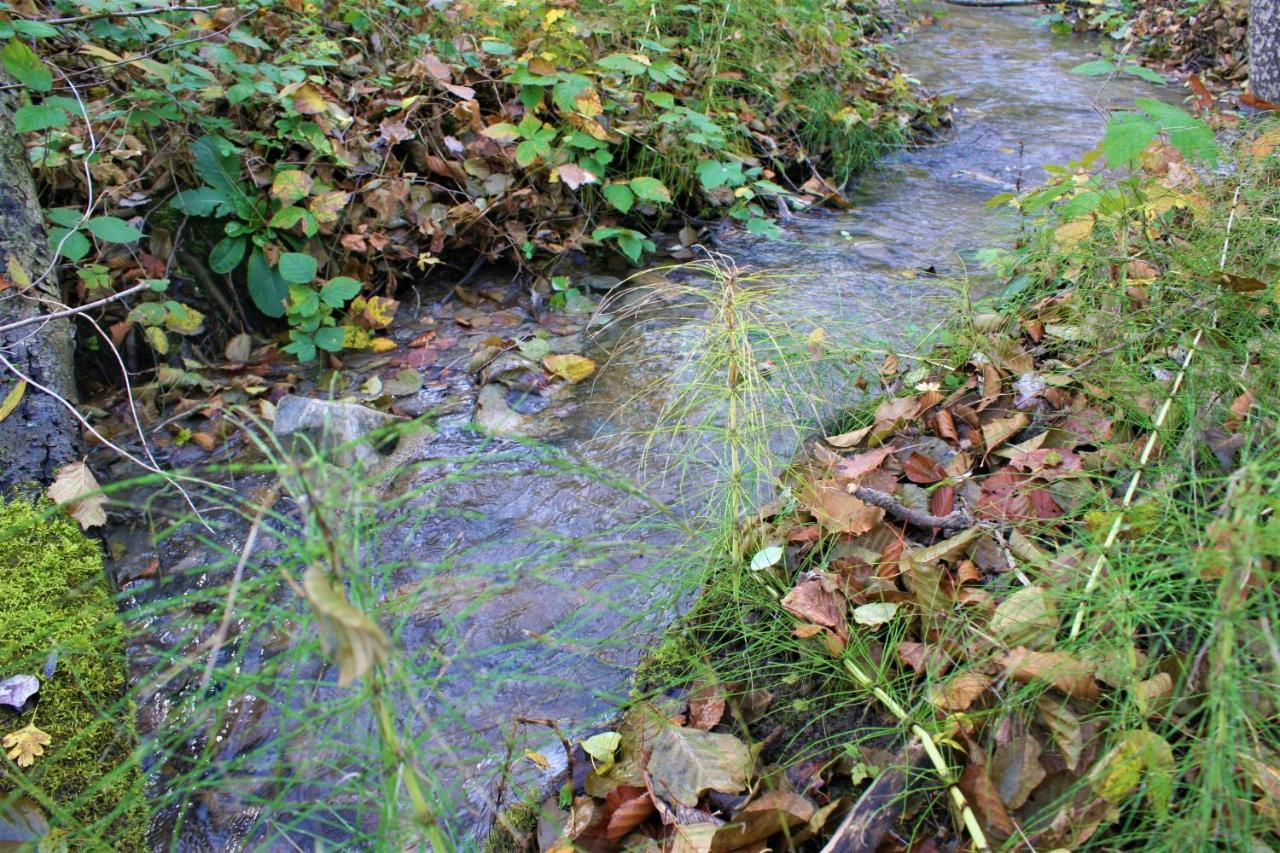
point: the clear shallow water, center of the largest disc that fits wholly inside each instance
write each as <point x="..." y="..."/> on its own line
<point x="534" y="592"/>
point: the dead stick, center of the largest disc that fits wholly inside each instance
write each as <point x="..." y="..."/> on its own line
<point x="956" y="520"/>
<point x="879" y="807"/>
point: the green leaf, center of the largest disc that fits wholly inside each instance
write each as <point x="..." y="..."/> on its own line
<point x="1096" y="68"/>
<point x="528" y="152"/>
<point x="74" y="244"/>
<point x="303" y="301"/>
<point x="1190" y="135"/>
<point x="495" y="47"/>
<point x="227" y="254"/>
<point x="301" y="347"/>
<point x="713" y="174"/>
<point x="35" y="117"/>
<point x="113" y="230"/>
<point x="525" y="77"/>
<point x="650" y="189"/>
<point x="202" y="201"/>
<point x="218" y="166"/>
<point x="601" y="748"/>
<point x="67" y="217"/>
<point x="661" y="99"/>
<point x="27" y="68"/>
<point x="1145" y="73"/>
<point x="623" y="63"/>
<point x="148" y="313"/>
<point x="34" y="29"/>
<point x="297" y="267"/>
<point x="620" y="196"/>
<point x="1126" y="136"/>
<point x="329" y="338"/>
<point x="338" y="291"/>
<point x="287" y="217"/>
<point x="502" y="132"/>
<point x="631" y="245"/>
<point x="266" y="288"/>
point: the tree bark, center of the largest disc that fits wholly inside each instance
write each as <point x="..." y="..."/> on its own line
<point x="40" y="434"/>
<point x="1264" y="50"/>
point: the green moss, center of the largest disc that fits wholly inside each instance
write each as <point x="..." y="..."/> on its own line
<point x="519" y="822"/>
<point x="54" y="595"/>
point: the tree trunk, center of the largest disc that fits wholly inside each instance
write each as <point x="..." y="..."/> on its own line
<point x="1264" y="50"/>
<point x="40" y="434"/>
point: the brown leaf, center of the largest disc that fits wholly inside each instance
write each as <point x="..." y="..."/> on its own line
<point x="1057" y="669"/>
<point x="981" y="794"/>
<point x="849" y="439"/>
<point x="854" y="467"/>
<point x="997" y="432"/>
<point x="1064" y="725"/>
<point x="1016" y="770"/>
<point x="923" y="470"/>
<point x="960" y="691"/>
<point x="706" y="707"/>
<point x="626" y="807"/>
<point x="770" y="813"/>
<point x="946" y="425"/>
<point x="26" y="744"/>
<point x="1026" y="618"/>
<point x="838" y="511"/>
<point x="943" y="500"/>
<point x="812" y="602"/>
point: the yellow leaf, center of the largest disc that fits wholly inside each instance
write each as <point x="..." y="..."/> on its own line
<point x="379" y="311"/>
<point x="17" y="275"/>
<point x="355" y="641"/>
<point x="1071" y="234"/>
<point x="354" y="337"/>
<point x="574" y="368"/>
<point x="308" y="100"/>
<point x="382" y="345"/>
<point x="291" y="185"/>
<point x="538" y="758"/>
<point x="551" y="17"/>
<point x="326" y="206"/>
<point x="75" y="487"/>
<point x="26" y="744"/>
<point x="12" y="399"/>
<point x="588" y="102"/>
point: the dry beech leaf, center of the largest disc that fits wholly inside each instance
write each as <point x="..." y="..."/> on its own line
<point x="771" y="812"/>
<point x="1064" y="725"/>
<point x="75" y="487"/>
<point x="1057" y="669"/>
<point x="686" y="763"/>
<point x="811" y="601"/>
<point x="960" y="691"/>
<point x="849" y="439"/>
<point x="977" y="788"/>
<point x="627" y="806"/>
<point x="923" y="470"/>
<point x="838" y="511"/>
<point x="854" y="467"/>
<point x="1016" y="770"/>
<point x="997" y="432"/>
<point x="706" y="707"/>
<point x="1026" y="618"/>
<point x="569" y="366"/>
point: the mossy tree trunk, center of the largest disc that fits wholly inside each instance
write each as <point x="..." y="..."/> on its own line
<point x="1264" y="49"/>
<point x="40" y="434"/>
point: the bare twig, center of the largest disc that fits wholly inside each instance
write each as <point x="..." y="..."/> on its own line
<point x="121" y="13"/>
<point x="955" y="520"/>
<point x="89" y="306"/>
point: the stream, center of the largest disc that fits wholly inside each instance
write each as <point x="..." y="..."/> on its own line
<point x="528" y="589"/>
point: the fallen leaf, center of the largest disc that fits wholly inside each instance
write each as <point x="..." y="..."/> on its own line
<point x="602" y="747"/>
<point x="849" y="439"/>
<point x="770" y="813"/>
<point x="923" y="470"/>
<point x="1137" y="756"/>
<point x="75" y="487"/>
<point x="627" y="806"/>
<point x="538" y="759"/>
<point x="960" y="691"/>
<point x="239" y="348"/>
<point x="976" y="785"/>
<point x="1057" y="669"/>
<point x="17" y="689"/>
<point x="811" y="601"/>
<point x="379" y="311"/>
<point x="838" y="511"/>
<point x="569" y="366"/>
<point x="766" y="557"/>
<point x="12" y="399"/>
<point x="706" y="707"/>
<point x="875" y="615"/>
<point x="1026" y="618"/>
<point x="997" y="432"/>
<point x="686" y="763"/>
<point x="1064" y="725"/>
<point x="26" y="744"/>
<point x="854" y="467"/>
<point x="1016" y="770"/>
<point x="355" y="641"/>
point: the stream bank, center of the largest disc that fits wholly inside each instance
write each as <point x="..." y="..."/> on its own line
<point x="489" y="562"/>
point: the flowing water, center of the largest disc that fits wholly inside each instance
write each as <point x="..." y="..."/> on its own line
<point x="535" y="592"/>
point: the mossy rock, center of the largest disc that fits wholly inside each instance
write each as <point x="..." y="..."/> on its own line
<point x="54" y="595"/>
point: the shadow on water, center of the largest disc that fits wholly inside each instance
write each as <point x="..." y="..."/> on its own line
<point x="520" y="580"/>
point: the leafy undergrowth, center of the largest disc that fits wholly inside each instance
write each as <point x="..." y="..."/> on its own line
<point x="1037" y="571"/>
<point x="311" y="156"/>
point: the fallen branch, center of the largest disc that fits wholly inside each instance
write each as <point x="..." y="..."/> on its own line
<point x="43" y="318"/>
<point x="955" y="520"/>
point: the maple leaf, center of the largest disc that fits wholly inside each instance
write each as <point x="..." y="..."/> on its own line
<point x="26" y="744"/>
<point x="75" y="487"/>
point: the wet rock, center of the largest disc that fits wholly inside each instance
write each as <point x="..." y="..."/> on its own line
<point x="598" y="282"/>
<point x="333" y="425"/>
